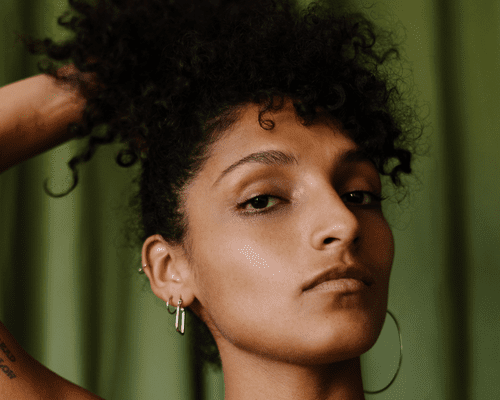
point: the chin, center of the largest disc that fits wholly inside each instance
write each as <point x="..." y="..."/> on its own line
<point x="346" y="337"/>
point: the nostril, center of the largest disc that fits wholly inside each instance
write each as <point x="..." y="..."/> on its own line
<point x="328" y="241"/>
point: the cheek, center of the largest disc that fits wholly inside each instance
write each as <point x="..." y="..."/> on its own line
<point x="232" y="273"/>
<point x="378" y="252"/>
<point x="243" y="285"/>
<point x="379" y="242"/>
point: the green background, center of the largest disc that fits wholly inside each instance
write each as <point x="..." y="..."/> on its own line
<point x="70" y="294"/>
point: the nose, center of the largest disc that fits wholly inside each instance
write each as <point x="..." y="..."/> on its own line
<point x="333" y="224"/>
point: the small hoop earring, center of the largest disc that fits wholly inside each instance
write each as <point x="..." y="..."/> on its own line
<point x="400" y="357"/>
<point x="168" y="306"/>
<point x="179" y="308"/>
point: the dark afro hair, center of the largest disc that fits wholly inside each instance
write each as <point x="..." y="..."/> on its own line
<point x="174" y="74"/>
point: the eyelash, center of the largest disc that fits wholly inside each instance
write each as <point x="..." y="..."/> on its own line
<point x="374" y="196"/>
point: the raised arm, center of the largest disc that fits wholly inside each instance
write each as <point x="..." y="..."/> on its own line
<point x="34" y="116"/>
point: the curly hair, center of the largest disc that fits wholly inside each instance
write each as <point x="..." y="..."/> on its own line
<point x="174" y="75"/>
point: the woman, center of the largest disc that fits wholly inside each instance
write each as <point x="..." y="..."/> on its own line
<point x="262" y="130"/>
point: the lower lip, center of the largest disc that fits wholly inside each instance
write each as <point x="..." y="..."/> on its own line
<point x="340" y="285"/>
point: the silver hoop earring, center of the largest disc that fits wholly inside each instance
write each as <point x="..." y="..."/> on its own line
<point x="179" y="308"/>
<point x="141" y="270"/>
<point x="168" y="307"/>
<point x="400" y="357"/>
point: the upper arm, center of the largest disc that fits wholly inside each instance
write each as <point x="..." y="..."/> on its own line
<point x="24" y="378"/>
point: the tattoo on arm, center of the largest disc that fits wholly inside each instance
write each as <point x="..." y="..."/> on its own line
<point x="10" y="356"/>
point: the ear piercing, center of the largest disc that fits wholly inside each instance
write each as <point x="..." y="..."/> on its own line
<point x="177" y="313"/>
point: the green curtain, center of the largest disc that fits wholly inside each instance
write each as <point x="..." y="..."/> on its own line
<point x="70" y="293"/>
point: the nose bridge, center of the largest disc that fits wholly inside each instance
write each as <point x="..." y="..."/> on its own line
<point x="332" y="222"/>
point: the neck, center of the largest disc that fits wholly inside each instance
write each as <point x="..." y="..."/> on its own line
<point x="249" y="377"/>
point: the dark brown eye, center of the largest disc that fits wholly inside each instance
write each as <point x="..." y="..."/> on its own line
<point x="260" y="202"/>
<point x="361" y="196"/>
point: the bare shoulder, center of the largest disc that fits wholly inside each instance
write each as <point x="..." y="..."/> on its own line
<point x="24" y="378"/>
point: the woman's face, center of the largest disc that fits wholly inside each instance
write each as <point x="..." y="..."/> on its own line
<point x="254" y="258"/>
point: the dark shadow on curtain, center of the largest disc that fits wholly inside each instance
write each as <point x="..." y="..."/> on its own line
<point x="20" y="318"/>
<point x="448" y="24"/>
<point x="90" y="226"/>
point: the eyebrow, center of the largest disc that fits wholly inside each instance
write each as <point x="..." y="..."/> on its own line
<point x="280" y="158"/>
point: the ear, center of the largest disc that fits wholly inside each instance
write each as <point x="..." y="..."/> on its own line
<point x="168" y="270"/>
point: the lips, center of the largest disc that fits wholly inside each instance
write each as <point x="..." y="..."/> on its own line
<point x="341" y="272"/>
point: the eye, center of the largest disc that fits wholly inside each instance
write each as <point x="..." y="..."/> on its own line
<point x="260" y="203"/>
<point x="363" y="196"/>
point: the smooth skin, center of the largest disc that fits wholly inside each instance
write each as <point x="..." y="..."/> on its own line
<point x="247" y="268"/>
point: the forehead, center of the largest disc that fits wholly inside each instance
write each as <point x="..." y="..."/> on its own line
<point x="324" y="138"/>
